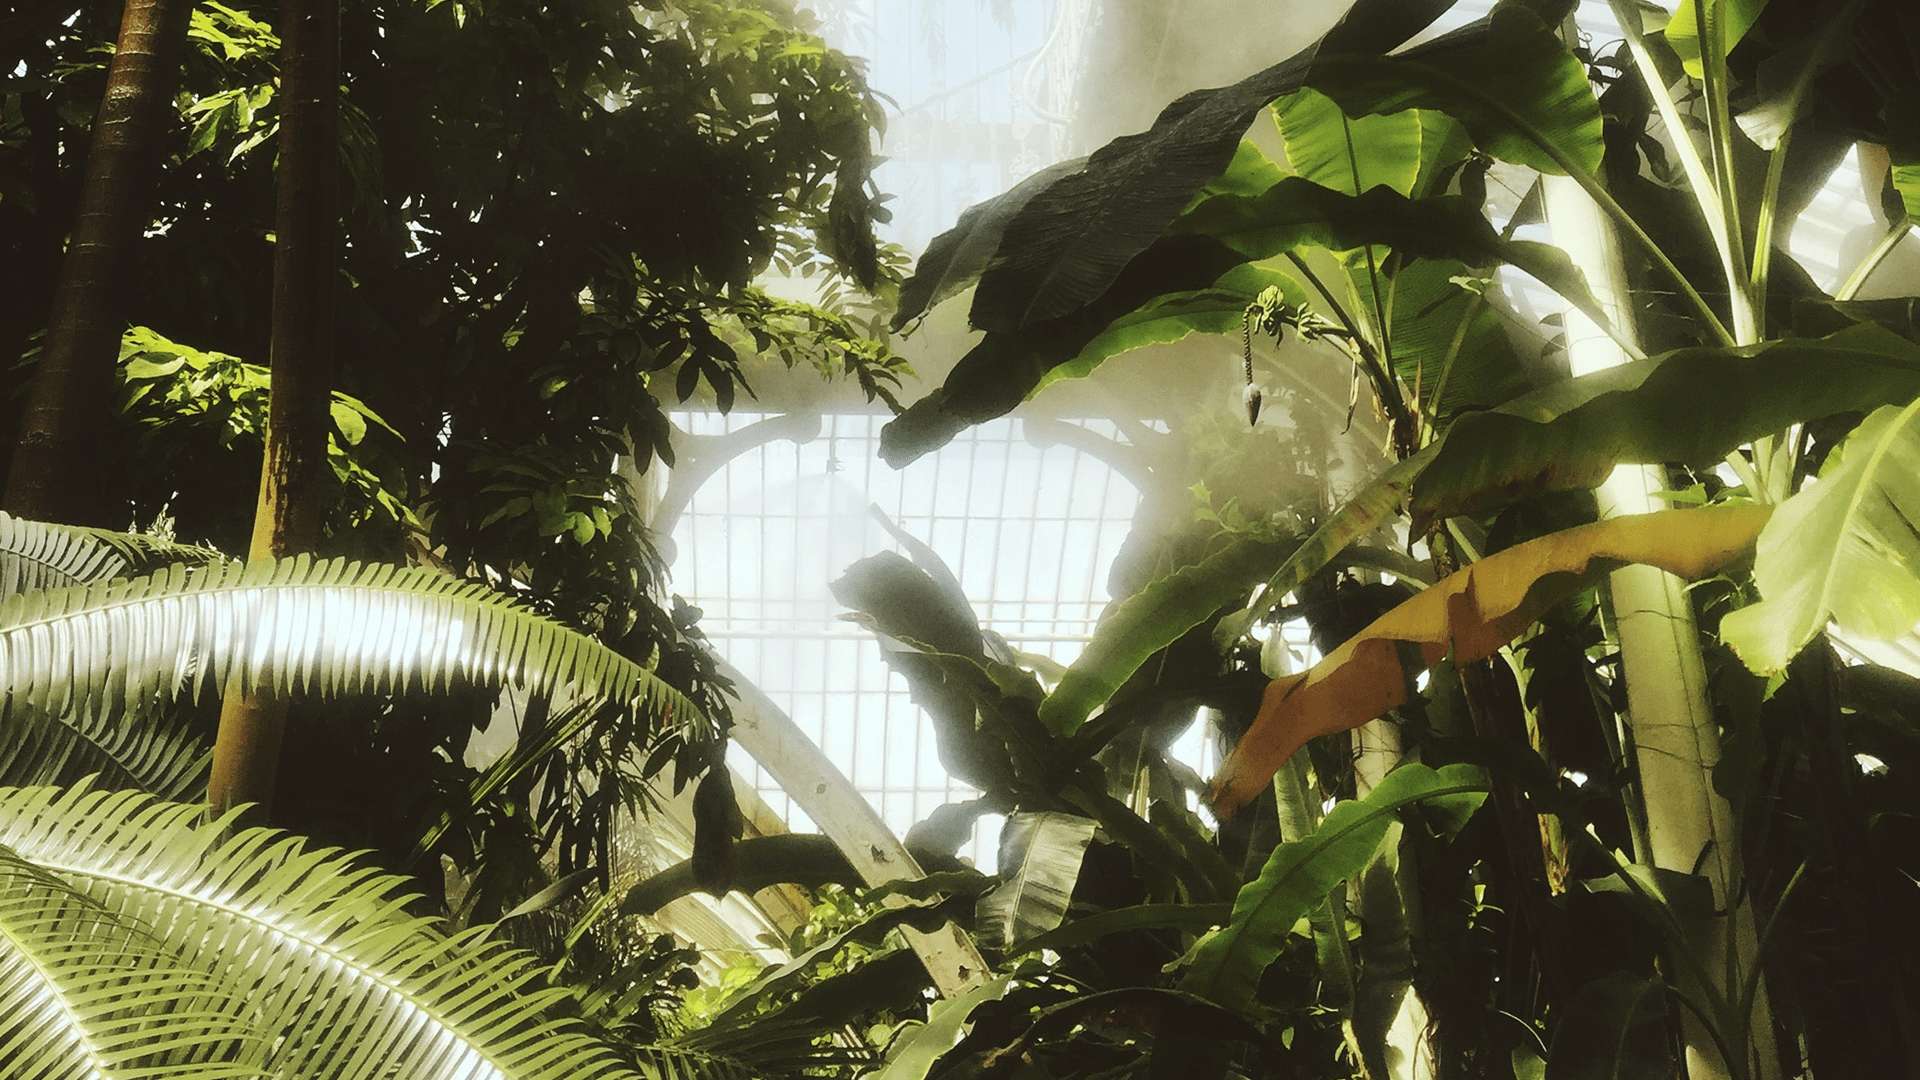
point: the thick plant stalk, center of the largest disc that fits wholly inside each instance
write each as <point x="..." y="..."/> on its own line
<point x="1691" y="828"/>
<point x="58" y="472"/>
<point x="292" y="504"/>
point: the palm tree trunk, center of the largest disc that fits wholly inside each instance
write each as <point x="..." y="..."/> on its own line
<point x="293" y="494"/>
<point x="58" y="469"/>
<point x="1690" y="826"/>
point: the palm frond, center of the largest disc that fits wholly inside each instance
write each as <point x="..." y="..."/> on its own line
<point x="153" y="753"/>
<point x="41" y="555"/>
<point x="88" y="995"/>
<point x="297" y="626"/>
<point x="337" y="979"/>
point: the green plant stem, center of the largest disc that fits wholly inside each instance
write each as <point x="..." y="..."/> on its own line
<point x="1863" y="272"/>
<point x="1713" y="65"/>
<point x="1691" y="164"/>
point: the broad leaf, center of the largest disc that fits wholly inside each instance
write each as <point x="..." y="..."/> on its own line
<point x="1349" y="156"/>
<point x="1467" y="616"/>
<point x="1192" y="918"/>
<point x="1004" y="368"/>
<point x="1377" y="502"/>
<point x="915" y="1050"/>
<point x="1040" y="856"/>
<point x="1153" y="618"/>
<point x="1226" y="965"/>
<point x="299" y="626"/>
<point x="1683" y="28"/>
<point x="1541" y="94"/>
<point x="1217" y="309"/>
<point x="331" y="975"/>
<point x="1691" y="406"/>
<point x="1069" y="243"/>
<point x="1299" y="213"/>
<point x="955" y="258"/>
<point x="1846" y="550"/>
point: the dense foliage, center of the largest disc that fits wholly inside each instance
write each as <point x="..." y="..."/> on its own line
<point x="1533" y="806"/>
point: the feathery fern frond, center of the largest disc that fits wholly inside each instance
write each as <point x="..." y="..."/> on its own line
<point x="88" y="996"/>
<point x="146" y="752"/>
<point x="336" y="978"/>
<point x="298" y="626"/>
<point x="41" y="555"/>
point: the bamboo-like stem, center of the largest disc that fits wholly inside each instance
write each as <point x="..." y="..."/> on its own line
<point x="1690" y="826"/>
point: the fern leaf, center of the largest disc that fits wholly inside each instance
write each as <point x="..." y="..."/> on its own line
<point x="152" y="753"/>
<point x="39" y="555"/>
<point x="297" y="626"/>
<point x="336" y="979"/>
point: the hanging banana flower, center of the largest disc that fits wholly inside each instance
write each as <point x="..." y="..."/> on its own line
<point x="1252" y="393"/>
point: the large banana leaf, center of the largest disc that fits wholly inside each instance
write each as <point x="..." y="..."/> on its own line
<point x="1153" y="618"/>
<point x="1040" y="857"/>
<point x="1467" y="616"/>
<point x="1069" y="243"/>
<point x="1298" y="212"/>
<point x="1846" y="551"/>
<point x="1004" y="368"/>
<point x="1226" y="964"/>
<point x="1216" y="309"/>
<point x="955" y="258"/>
<point x="321" y="968"/>
<point x="1692" y="405"/>
<point x="299" y="626"/>
<point x="1355" y="155"/>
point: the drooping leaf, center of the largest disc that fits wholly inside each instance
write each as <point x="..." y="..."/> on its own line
<point x="1297" y="213"/>
<point x="915" y="1050"/>
<point x="1616" y="1027"/>
<point x="1004" y="368"/>
<point x="300" y="626"/>
<point x="1069" y="243"/>
<point x="1226" y="965"/>
<point x="1691" y="406"/>
<point x="1845" y="551"/>
<point x="1467" y="616"/>
<point x="955" y="259"/>
<point x="332" y="975"/>
<point x="1906" y="181"/>
<point x="903" y="602"/>
<point x="1217" y="309"/>
<point x="1040" y="856"/>
<point x="1153" y="618"/>
<point x="1377" y="502"/>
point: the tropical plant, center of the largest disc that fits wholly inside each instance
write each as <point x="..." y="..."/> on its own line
<point x="1373" y="238"/>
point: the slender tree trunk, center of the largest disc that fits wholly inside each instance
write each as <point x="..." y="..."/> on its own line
<point x="1676" y="741"/>
<point x="58" y="471"/>
<point x="292" y="505"/>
